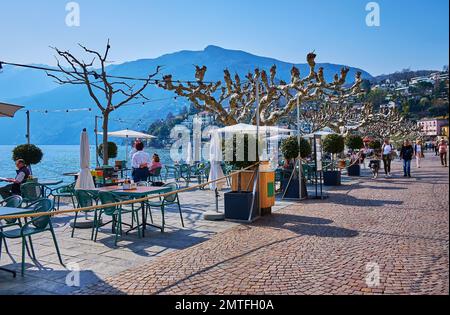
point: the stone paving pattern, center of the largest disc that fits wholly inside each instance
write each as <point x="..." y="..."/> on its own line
<point x="318" y="247"/>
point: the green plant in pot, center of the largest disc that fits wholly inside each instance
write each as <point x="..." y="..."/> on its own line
<point x="290" y="180"/>
<point x="333" y="144"/>
<point x="30" y="153"/>
<point x="239" y="203"/>
<point x="354" y="143"/>
<point x="112" y="150"/>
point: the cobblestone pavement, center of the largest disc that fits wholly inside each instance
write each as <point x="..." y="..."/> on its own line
<point x="97" y="261"/>
<point x="398" y="226"/>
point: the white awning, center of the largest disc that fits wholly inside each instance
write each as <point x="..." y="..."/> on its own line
<point x="128" y="134"/>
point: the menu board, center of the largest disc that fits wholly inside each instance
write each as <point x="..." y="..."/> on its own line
<point x="318" y="148"/>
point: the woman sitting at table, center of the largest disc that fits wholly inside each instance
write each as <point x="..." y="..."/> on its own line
<point x="156" y="163"/>
<point x="140" y="163"/>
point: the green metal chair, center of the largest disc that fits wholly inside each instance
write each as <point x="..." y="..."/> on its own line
<point x="34" y="226"/>
<point x="185" y="173"/>
<point x="67" y="191"/>
<point x="155" y="175"/>
<point x="31" y="192"/>
<point x="10" y="202"/>
<point x="85" y="199"/>
<point x="115" y="212"/>
<point x="172" y="170"/>
<point x="167" y="201"/>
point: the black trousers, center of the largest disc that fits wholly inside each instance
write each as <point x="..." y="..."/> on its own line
<point x="387" y="164"/>
<point x="6" y="191"/>
<point x="140" y="174"/>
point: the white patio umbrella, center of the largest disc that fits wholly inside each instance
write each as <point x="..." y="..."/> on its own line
<point x="84" y="180"/>
<point x="127" y="134"/>
<point x="215" y="172"/>
<point x="246" y="128"/>
<point x="189" y="160"/>
<point x="215" y="158"/>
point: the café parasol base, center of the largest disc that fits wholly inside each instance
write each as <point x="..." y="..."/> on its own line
<point x="83" y="223"/>
<point x="214" y="216"/>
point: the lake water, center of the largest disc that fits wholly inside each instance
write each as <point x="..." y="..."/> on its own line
<point x="60" y="159"/>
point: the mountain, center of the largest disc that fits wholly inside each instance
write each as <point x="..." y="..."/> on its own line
<point x="34" y="90"/>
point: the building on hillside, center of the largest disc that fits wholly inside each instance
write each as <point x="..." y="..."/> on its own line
<point x="204" y="117"/>
<point x="390" y="105"/>
<point x="433" y="127"/>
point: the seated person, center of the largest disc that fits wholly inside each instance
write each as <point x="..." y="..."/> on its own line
<point x="140" y="163"/>
<point x="14" y="188"/>
<point x="156" y="163"/>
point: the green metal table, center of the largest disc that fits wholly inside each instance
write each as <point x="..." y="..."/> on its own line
<point x="139" y="192"/>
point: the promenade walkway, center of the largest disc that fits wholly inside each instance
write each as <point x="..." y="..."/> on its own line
<point x="384" y="236"/>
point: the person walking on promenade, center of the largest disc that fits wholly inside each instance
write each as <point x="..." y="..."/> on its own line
<point x="387" y="156"/>
<point x="406" y="153"/>
<point x="443" y="149"/>
<point x="436" y="147"/>
<point x="418" y="153"/>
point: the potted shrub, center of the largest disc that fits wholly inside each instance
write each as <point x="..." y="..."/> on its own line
<point x="291" y="152"/>
<point x="333" y="144"/>
<point x="112" y="150"/>
<point x="354" y="143"/>
<point x="238" y="202"/>
<point x="30" y="153"/>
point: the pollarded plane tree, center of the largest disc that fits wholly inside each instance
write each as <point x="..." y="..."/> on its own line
<point x="234" y="100"/>
<point x="107" y="92"/>
<point x="390" y="123"/>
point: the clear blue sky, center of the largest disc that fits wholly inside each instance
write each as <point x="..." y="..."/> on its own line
<point x="413" y="33"/>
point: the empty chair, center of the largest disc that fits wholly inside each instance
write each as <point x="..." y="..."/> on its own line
<point x="84" y="199"/>
<point x="115" y="212"/>
<point x="34" y="226"/>
<point x="31" y="192"/>
<point x="67" y="191"/>
<point x="167" y="201"/>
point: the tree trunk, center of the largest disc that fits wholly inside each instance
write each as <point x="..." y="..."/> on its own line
<point x="105" y="137"/>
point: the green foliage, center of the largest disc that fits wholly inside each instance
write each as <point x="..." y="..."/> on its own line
<point x="112" y="150"/>
<point x="30" y="153"/>
<point x="354" y="142"/>
<point x="377" y="98"/>
<point x="375" y="145"/>
<point x="239" y="142"/>
<point x="290" y="150"/>
<point x="334" y="144"/>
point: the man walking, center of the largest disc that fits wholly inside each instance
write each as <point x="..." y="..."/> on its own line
<point x="387" y="157"/>
<point x="406" y="153"/>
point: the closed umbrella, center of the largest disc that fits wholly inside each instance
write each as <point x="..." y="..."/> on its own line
<point x="84" y="180"/>
<point x="215" y="158"/>
<point x="189" y="160"/>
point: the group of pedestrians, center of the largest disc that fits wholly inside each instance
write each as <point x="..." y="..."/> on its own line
<point x="408" y="152"/>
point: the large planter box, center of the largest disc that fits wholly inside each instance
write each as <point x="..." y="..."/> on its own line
<point x="238" y="206"/>
<point x="292" y="192"/>
<point x="332" y="178"/>
<point x="266" y="187"/>
<point x="354" y="170"/>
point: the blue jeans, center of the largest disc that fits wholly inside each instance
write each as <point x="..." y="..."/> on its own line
<point x="407" y="167"/>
